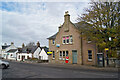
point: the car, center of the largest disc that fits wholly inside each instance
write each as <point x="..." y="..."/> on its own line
<point x="4" y="64"/>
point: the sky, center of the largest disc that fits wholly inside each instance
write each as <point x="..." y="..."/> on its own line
<point x="24" y="22"/>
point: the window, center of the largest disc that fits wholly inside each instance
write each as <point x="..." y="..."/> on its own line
<point x="63" y="54"/>
<point x="71" y="39"/>
<point x="53" y="54"/>
<point x="53" y="42"/>
<point x="60" y="55"/>
<point x="90" y="55"/>
<point x="67" y="53"/>
<point x="11" y="55"/>
<point x="88" y="40"/>
<point x="63" y="40"/>
<point x="19" y="57"/>
<point x="67" y="39"/>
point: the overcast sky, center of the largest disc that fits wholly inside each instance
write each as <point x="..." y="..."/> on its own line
<point x="24" y="22"/>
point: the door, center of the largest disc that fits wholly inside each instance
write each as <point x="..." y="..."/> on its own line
<point x="74" y="56"/>
<point x="23" y="57"/>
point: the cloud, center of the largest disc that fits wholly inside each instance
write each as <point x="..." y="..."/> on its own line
<point x="24" y="22"/>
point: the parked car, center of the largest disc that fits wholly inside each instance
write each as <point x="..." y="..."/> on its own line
<point x="4" y="64"/>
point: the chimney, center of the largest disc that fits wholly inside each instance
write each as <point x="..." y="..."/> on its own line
<point x="66" y="17"/>
<point x="38" y="44"/>
<point x="12" y="43"/>
<point x="5" y="44"/>
<point x="66" y="21"/>
<point x="23" y="45"/>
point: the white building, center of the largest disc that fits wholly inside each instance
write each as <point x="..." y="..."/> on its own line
<point x="6" y="48"/>
<point x="43" y="54"/>
<point x="28" y="52"/>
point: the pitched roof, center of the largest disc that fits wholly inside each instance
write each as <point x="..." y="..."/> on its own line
<point x="5" y="46"/>
<point x="76" y="25"/>
<point x="26" y="49"/>
<point x="53" y="36"/>
<point x="12" y="50"/>
<point x="45" y="48"/>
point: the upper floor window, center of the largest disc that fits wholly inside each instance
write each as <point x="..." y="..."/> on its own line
<point x="67" y="40"/>
<point x="63" y="40"/>
<point x="71" y="39"/>
<point x="53" y="42"/>
<point x="90" y="55"/>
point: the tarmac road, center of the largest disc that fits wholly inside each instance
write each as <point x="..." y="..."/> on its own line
<point x="29" y="70"/>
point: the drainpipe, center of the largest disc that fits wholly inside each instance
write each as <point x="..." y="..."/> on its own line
<point x="81" y="49"/>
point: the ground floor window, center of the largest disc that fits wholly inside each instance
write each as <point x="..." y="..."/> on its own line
<point x="89" y="55"/>
<point x="63" y="55"/>
<point x="53" y="54"/>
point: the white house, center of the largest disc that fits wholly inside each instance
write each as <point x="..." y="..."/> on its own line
<point x="43" y="54"/>
<point x="28" y="52"/>
<point x="6" y="48"/>
<point x="11" y="54"/>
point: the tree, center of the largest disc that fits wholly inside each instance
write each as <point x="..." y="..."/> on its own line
<point x="102" y="19"/>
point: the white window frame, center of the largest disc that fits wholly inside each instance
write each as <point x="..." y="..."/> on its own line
<point x="60" y="57"/>
<point x="53" y="42"/>
<point x="63" y="41"/>
<point x="52" y="55"/>
<point x="89" y="55"/>
<point x="71" y="38"/>
<point x="67" y="39"/>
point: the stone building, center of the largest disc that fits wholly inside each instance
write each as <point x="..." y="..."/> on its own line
<point x="67" y="42"/>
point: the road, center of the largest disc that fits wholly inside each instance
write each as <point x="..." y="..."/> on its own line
<point x="27" y="70"/>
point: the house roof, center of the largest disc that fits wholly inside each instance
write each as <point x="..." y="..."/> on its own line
<point x="26" y="49"/>
<point x="5" y="46"/>
<point x="12" y="50"/>
<point x="53" y="36"/>
<point x="45" y="48"/>
<point x="76" y="25"/>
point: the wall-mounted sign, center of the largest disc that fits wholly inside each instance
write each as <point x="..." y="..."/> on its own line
<point x="49" y="53"/>
<point x="57" y="45"/>
<point x="106" y="49"/>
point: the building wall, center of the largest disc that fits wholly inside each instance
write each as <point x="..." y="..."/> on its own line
<point x="19" y="56"/>
<point x="43" y="55"/>
<point x="63" y="47"/>
<point x="89" y="46"/>
<point x="82" y="47"/>
<point x="37" y="52"/>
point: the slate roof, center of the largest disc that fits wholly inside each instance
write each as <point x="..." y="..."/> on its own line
<point x="53" y="36"/>
<point x="26" y="49"/>
<point x="5" y="46"/>
<point x="45" y="48"/>
<point x="76" y="25"/>
<point x="12" y="50"/>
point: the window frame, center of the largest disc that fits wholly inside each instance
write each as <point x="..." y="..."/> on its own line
<point x="89" y="55"/>
<point x="53" y="56"/>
